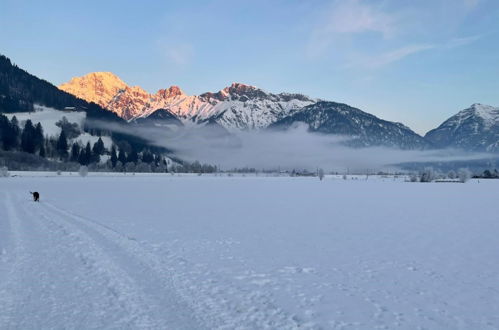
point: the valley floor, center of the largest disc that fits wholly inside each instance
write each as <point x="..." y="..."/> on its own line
<point x="169" y="252"/>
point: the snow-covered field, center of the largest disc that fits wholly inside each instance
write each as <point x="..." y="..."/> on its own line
<point x="168" y="252"/>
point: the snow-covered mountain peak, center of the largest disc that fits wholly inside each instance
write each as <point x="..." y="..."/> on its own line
<point x="239" y="88"/>
<point x="97" y="87"/>
<point x="233" y="92"/>
<point x="485" y="111"/>
<point x="474" y="128"/>
<point x="244" y="92"/>
<point x="481" y="108"/>
<point x="169" y="92"/>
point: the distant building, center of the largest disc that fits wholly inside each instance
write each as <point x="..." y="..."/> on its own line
<point x="72" y="109"/>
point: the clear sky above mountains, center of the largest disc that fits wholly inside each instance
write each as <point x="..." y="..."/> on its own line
<point x="417" y="62"/>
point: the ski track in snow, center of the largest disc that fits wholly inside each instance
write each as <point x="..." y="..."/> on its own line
<point x="66" y="270"/>
<point x="68" y="274"/>
<point x="202" y="291"/>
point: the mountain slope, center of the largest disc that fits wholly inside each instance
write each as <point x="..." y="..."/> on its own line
<point x="160" y="117"/>
<point x="20" y="91"/>
<point x="366" y="129"/>
<point x="475" y="128"/>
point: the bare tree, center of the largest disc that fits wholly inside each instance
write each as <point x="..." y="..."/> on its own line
<point x="464" y="175"/>
<point x="83" y="172"/>
<point x="427" y="175"/>
<point x="4" y="172"/>
<point x="320" y="174"/>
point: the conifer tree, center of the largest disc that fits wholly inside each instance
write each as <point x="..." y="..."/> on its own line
<point x="94" y="157"/>
<point x="133" y="157"/>
<point x="38" y="136"/>
<point x="42" y="152"/>
<point x="4" y="127"/>
<point x="62" y="145"/>
<point x="27" y="137"/>
<point x="9" y="133"/>
<point x="75" y="152"/>
<point x="114" y="157"/>
<point x="16" y="132"/>
<point x="15" y="123"/>
<point x="81" y="158"/>
<point x="122" y="157"/>
<point x="98" y="148"/>
<point x="88" y="153"/>
<point x="147" y="157"/>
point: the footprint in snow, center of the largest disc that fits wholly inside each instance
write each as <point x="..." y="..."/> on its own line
<point x="297" y="270"/>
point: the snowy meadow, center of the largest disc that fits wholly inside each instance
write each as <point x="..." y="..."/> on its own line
<point x="204" y="252"/>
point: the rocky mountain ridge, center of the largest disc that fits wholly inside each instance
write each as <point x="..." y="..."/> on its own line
<point x="236" y="107"/>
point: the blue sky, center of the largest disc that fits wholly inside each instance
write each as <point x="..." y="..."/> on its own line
<point x="417" y="62"/>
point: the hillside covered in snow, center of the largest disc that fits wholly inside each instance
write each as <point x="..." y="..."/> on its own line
<point x="474" y="128"/>
<point x="341" y="119"/>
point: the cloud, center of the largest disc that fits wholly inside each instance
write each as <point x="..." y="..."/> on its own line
<point x="180" y="54"/>
<point x="471" y="4"/>
<point x="352" y="16"/>
<point x="383" y="59"/>
<point x="396" y="55"/>
<point x="373" y="34"/>
<point x="349" y="17"/>
<point x="461" y="41"/>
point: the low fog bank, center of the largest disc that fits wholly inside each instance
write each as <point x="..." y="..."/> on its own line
<point x="293" y="149"/>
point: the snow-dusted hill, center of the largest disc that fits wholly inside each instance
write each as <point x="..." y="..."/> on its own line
<point x="474" y="128"/>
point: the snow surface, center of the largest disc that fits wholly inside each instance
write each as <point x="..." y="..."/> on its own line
<point x="194" y="252"/>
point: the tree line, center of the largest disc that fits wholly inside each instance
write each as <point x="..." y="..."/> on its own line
<point x="65" y="149"/>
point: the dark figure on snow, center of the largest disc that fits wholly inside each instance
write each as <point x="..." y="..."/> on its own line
<point x="36" y="196"/>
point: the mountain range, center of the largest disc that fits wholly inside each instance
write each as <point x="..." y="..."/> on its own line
<point x="244" y="107"/>
<point x="104" y="96"/>
<point x="236" y="107"/>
